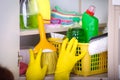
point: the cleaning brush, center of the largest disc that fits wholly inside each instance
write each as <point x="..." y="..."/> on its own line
<point x="98" y="44"/>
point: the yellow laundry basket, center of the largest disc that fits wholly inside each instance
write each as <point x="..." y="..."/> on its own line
<point x="88" y="65"/>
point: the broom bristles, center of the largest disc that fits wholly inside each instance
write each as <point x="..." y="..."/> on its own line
<point x="49" y="58"/>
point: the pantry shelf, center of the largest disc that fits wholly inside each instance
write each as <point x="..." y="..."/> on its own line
<point x="76" y="77"/>
<point x="48" y="30"/>
<point x="51" y="29"/>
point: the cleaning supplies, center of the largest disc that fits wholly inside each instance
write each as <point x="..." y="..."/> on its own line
<point x="67" y="59"/>
<point x="29" y="10"/>
<point x="34" y="70"/>
<point x="44" y="44"/>
<point x="98" y="44"/>
<point x="28" y="14"/>
<point x="76" y="31"/>
<point x="90" y="23"/>
<point x="45" y="10"/>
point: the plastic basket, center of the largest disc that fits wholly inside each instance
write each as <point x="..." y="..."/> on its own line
<point x="57" y="42"/>
<point x="88" y="65"/>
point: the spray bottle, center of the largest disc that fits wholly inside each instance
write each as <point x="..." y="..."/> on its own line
<point x="29" y="10"/>
<point x="90" y="23"/>
<point x="28" y="14"/>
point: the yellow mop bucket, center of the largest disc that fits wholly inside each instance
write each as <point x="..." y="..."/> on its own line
<point x="88" y="65"/>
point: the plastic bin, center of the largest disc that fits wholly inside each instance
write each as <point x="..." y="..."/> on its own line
<point x="88" y="65"/>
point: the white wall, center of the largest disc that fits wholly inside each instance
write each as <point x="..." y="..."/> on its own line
<point x="119" y="40"/>
<point x="9" y="34"/>
<point x="116" y="2"/>
<point x="119" y="48"/>
<point x="68" y="5"/>
<point x="73" y="5"/>
<point x="101" y="11"/>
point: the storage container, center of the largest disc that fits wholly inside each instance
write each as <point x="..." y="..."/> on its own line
<point x="88" y="65"/>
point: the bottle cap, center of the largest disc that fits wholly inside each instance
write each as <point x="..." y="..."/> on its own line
<point x="91" y="10"/>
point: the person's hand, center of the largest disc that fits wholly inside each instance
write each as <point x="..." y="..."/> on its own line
<point x="67" y="59"/>
<point x="34" y="70"/>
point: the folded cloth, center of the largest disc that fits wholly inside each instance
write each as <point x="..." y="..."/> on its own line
<point x="63" y="19"/>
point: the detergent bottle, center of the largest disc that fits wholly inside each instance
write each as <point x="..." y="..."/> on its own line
<point x="90" y="23"/>
<point x="76" y="31"/>
<point x="28" y="14"/>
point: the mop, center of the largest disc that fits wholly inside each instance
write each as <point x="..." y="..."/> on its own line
<point x="98" y="44"/>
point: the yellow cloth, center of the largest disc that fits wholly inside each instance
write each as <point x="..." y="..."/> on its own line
<point x="67" y="59"/>
<point x="34" y="70"/>
<point x="44" y="9"/>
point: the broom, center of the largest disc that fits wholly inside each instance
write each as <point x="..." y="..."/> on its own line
<point x="49" y="55"/>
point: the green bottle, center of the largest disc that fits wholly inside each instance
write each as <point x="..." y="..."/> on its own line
<point x="76" y="31"/>
<point x="90" y="23"/>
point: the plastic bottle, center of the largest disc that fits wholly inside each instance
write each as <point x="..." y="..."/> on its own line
<point x="90" y="23"/>
<point x="76" y="31"/>
<point x="28" y="14"/>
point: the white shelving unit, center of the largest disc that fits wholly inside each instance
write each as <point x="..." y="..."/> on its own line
<point x="47" y="30"/>
<point x="50" y="29"/>
<point x="76" y="77"/>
